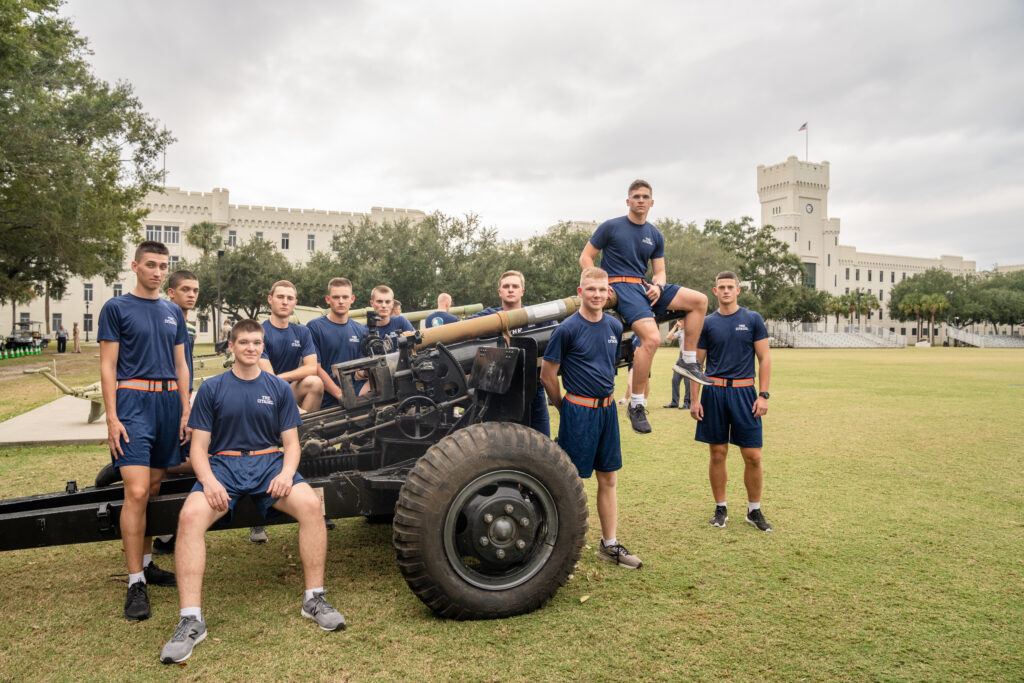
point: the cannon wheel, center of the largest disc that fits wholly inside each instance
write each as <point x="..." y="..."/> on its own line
<point x="490" y="522"/>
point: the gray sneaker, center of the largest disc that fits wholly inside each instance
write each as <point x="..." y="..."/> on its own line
<point x="190" y="632"/>
<point x="638" y="418"/>
<point x="721" y="516"/>
<point x="319" y="610"/>
<point x="691" y="371"/>
<point x="617" y="554"/>
<point x="258" y="534"/>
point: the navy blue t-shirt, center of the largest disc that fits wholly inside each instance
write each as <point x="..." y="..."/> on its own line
<point x="587" y="353"/>
<point x="146" y="330"/>
<point x="439" y="318"/>
<point x="286" y="348"/>
<point x="627" y="248"/>
<point x="729" y="341"/>
<point x="334" y="342"/>
<point x="190" y="343"/>
<point x="244" y="414"/>
<point x="394" y="329"/>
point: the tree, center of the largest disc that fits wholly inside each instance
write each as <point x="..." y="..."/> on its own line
<point x="693" y="259"/>
<point x="932" y="304"/>
<point x="204" y="236"/>
<point x="76" y="155"/>
<point x="835" y="305"/>
<point x="246" y="274"/>
<point x="907" y="305"/>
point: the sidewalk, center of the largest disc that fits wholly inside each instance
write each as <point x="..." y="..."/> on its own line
<point x="58" y="423"/>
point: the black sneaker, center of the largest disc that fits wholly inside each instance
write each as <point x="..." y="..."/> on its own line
<point x="159" y="577"/>
<point x="673" y="404"/>
<point x="757" y="520"/>
<point x="108" y="475"/>
<point x="136" y="604"/>
<point x="162" y="547"/>
<point x="691" y="371"/>
<point x="638" y="418"/>
<point x="685" y="406"/>
<point x="189" y="633"/>
<point x="721" y="516"/>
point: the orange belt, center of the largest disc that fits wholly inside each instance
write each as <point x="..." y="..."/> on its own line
<point x="745" y="382"/>
<point x="624" y="278"/>
<point x="589" y="402"/>
<point x="265" y="451"/>
<point x="148" y="384"/>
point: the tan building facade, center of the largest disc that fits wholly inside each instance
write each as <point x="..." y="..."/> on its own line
<point x="794" y="201"/>
<point x="298" y="233"/>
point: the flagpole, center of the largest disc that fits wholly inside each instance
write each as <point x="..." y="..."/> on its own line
<point x="807" y="135"/>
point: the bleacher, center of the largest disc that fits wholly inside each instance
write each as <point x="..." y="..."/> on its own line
<point x="783" y="335"/>
<point x="985" y="341"/>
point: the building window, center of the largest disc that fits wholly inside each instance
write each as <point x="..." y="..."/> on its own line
<point x="173" y="262"/>
<point x="284" y="240"/>
<point x="204" y="325"/>
<point x="904" y="276"/>
<point x="310" y="242"/>
<point x="24" y="317"/>
<point x="881" y="276"/>
<point x="837" y="241"/>
<point x="835" y="280"/>
<point x="118" y="289"/>
<point x="87" y="294"/>
<point x="810" y="281"/>
<point x="829" y="257"/>
<point x="847" y="273"/>
<point x="172" y="234"/>
<point x="58" y="320"/>
<point x="259" y="235"/>
<point x="880" y="294"/>
<point x="847" y="290"/>
<point x="232" y="238"/>
<point x="892" y="276"/>
<point x="87" y="322"/>
<point x="856" y="275"/>
<point x="903" y="331"/>
<point x="869" y="276"/>
<point x="154" y="233"/>
<point x="794" y="238"/>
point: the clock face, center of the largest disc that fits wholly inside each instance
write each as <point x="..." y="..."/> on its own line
<point x="810" y="208"/>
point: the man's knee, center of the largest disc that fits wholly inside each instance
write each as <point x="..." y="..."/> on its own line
<point x="718" y="453"/>
<point x="304" y="503"/>
<point x="312" y="383"/>
<point x="751" y="456"/>
<point x="195" y="514"/>
<point x="606" y="480"/>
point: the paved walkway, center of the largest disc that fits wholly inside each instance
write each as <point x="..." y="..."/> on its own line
<point x="58" y="423"/>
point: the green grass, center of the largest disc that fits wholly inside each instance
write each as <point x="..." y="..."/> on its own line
<point x="893" y="479"/>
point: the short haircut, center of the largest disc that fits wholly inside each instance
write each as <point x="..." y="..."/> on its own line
<point x="282" y="283"/>
<point x="179" y="276"/>
<point x="592" y="273"/>
<point x="444" y="298"/>
<point x="638" y="183"/>
<point x="151" y="247"/>
<point x="381" y="289"/>
<point x="727" y="275"/>
<point x="245" y="327"/>
<point x="338" y="282"/>
<point x="513" y="273"/>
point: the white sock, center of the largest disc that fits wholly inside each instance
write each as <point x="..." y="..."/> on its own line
<point x="609" y="543"/>
<point x="753" y="506"/>
<point x="313" y="591"/>
<point x="192" y="612"/>
<point x="147" y="560"/>
<point x="135" y="578"/>
<point x="637" y="399"/>
<point x="689" y="356"/>
<point x="721" y="505"/>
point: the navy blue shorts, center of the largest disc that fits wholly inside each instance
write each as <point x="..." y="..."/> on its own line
<point x="249" y="475"/>
<point x="634" y="304"/>
<point x="591" y="438"/>
<point x="152" y="420"/>
<point x="728" y="417"/>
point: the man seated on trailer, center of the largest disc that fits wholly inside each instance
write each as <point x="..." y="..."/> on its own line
<point x="336" y="337"/>
<point x="288" y="349"/>
<point x="389" y="325"/>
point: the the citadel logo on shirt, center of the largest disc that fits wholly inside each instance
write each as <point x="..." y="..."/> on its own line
<point x="612" y="339"/>
<point x="354" y="339"/>
<point x="648" y="241"/>
<point x="265" y="400"/>
<point x="742" y="327"/>
<point x="296" y="343"/>
<point x="171" y="321"/>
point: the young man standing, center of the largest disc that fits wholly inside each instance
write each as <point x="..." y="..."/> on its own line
<point x="288" y="349"/>
<point x="336" y="337"/>
<point x="245" y="442"/>
<point x="730" y="410"/>
<point x="145" y="378"/>
<point x="584" y="348"/>
<point x="441" y="316"/>
<point x="511" y="287"/>
<point x="389" y="325"/>
<point x="627" y="244"/>
<point x="677" y="332"/>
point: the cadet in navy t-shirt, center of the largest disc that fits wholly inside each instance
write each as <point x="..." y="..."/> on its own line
<point x="288" y="349"/>
<point x="626" y="245"/>
<point x="336" y="338"/>
<point x="584" y="348"/>
<point x="730" y="410"/>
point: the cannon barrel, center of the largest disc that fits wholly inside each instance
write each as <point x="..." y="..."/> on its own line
<point x="500" y="322"/>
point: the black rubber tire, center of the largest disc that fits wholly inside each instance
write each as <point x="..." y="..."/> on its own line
<point x="519" y="459"/>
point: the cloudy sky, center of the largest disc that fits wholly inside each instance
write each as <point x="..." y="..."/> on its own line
<point x="527" y="113"/>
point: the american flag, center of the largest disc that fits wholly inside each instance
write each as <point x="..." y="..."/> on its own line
<point x="803" y="127"/>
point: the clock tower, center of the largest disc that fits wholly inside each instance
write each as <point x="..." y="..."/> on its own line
<point x="794" y="201"/>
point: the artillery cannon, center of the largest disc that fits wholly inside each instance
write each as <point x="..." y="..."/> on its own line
<point x="489" y="516"/>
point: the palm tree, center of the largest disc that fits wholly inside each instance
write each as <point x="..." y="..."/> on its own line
<point x="911" y="303"/>
<point x="848" y="304"/>
<point x="204" y="236"/>
<point x="866" y="303"/>
<point x="834" y="305"/>
<point x="932" y="304"/>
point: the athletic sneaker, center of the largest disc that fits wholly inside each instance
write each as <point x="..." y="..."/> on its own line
<point x="319" y="610"/>
<point x="136" y="603"/>
<point x="162" y="547"/>
<point x="617" y="554"/>
<point x="159" y="577"/>
<point x="190" y="632"/>
<point x="258" y="534"/>
<point x="638" y="418"/>
<point x="108" y="475"/>
<point x="757" y="520"/>
<point x="673" y="404"/>
<point x="721" y="516"/>
<point x="691" y="371"/>
<point x="685" y="406"/>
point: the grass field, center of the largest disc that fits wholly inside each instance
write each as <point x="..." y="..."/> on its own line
<point x="893" y="479"/>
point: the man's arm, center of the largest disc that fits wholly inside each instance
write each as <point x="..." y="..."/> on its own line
<point x="281" y="485"/>
<point x="181" y="370"/>
<point x="108" y="382"/>
<point x="590" y="253"/>
<point x="329" y="386"/>
<point x="696" y="409"/>
<point x="216" y="494"/>
<point x="308" y="367"/>
<point x="657" y="279"/>
<point x="764" y="375"/>
<point x="549" y="378"/>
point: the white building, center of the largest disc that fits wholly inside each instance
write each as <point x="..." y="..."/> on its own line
<point x="298" y="233"/>
<point x="794" y="200"/>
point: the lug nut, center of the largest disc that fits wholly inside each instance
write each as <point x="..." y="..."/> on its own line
<point x="525" y="521"/>
<point x="500" y="554"/>
<point x="520" y="544"/>
<point x="484" y="541"/>
<point x="488" y="518"/>
<point x="509" y="509"/>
